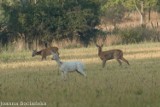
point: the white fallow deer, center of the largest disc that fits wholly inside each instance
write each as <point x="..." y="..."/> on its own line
<point x="66" y="67"/>
<point x="110" y="54"/>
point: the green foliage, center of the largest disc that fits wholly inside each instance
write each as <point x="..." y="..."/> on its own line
<point x="158" y="5"/>
<point x="138" y="34"/>
<point x="130" y="4"/>
<point x="113" y="10"/>
<point x="48" y="20"/>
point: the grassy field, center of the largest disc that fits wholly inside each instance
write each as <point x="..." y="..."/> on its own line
<point x="26" y="79"/>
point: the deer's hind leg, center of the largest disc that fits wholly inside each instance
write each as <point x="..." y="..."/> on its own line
<point x="123" y="59"/>
<point x="81" y="72"/>
<point x="117" y="57"/>
<point x="118" y="60"/>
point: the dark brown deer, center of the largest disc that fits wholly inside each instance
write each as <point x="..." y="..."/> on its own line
<point x="110" y="54"/>
<point x="45" y="52"/>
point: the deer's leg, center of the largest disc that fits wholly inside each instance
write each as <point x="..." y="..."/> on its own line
<point x="58" y="71"/>
<point x="120" y="63"/>
<point x="123" y="59"/>
<point x="65" y="76"/>
<point x="43" y="57"/>
<point x="81" y="72"/>
<point x="103" y="63"/>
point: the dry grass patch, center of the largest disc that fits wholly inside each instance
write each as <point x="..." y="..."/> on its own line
<point x="136" y="85"/>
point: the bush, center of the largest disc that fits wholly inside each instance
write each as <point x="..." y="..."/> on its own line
<point x="138" y="34"/>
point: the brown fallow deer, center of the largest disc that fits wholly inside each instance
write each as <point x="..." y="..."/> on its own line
<point x="45" y="52"/>
<point x="110" y="54"/>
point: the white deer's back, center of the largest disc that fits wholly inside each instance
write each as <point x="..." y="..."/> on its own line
<point x="72" y="66"/>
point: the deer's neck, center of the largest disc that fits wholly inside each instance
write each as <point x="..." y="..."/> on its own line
<point x="99" y="51"/>
<point x="38" y="53"/>
<point x="59" y="62"/>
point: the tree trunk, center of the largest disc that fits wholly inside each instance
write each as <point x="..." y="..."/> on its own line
<point x="141" y="13"/>
<point x="35" y="1"/>
<point x="149" y="13"/>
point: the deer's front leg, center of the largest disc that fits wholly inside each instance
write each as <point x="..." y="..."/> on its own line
<point x="64" y="75"/>
<point x="103" y="63"/>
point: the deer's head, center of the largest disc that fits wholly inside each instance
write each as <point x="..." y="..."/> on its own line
<point x="34" y="53"/>
<point x="99" y="47"/>
<point x="55" y="56"/>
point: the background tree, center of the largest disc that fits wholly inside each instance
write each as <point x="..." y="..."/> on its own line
<point x="121" y="6"/>
<point x="113" y="11"/>
<point x="48" y="20"/>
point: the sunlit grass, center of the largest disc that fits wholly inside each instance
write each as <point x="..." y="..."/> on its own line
<point x="26" y="78"/>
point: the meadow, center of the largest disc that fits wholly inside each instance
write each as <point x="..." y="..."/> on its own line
<point x="28" y="79"/>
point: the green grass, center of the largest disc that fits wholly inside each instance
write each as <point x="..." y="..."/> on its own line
<point x="23" y="78"/>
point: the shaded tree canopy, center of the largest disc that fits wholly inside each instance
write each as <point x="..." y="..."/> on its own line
<point x="51" y="19"/>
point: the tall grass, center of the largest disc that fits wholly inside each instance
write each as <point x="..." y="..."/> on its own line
<point x="30" y="79"/>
